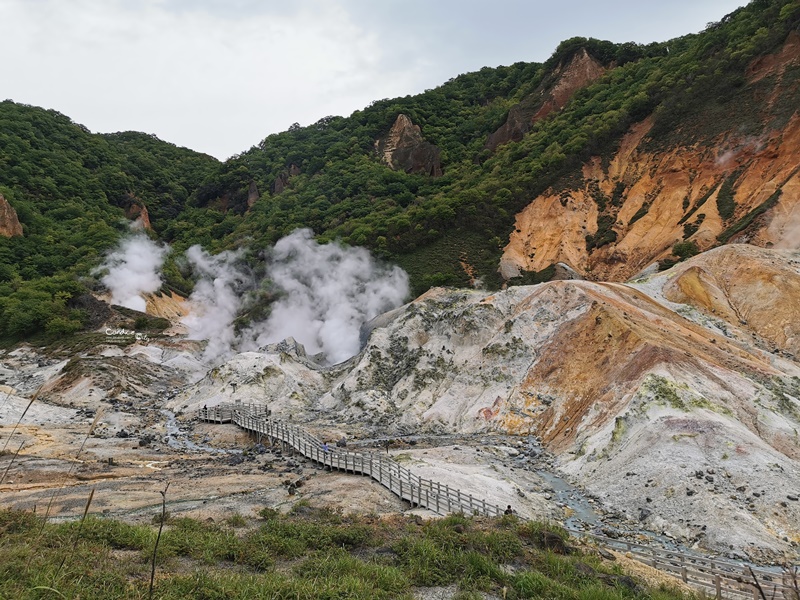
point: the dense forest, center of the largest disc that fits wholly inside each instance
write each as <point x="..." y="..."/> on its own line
<point x="71" y="188"/>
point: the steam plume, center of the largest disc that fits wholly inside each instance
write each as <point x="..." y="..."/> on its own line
<point x="330" y="291"/>
<point x="133" y="269"/>
<point x="217" y="298"/>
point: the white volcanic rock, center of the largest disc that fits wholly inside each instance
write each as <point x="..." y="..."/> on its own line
<point x="281" y="377"/>
<point x="614" y="379"/>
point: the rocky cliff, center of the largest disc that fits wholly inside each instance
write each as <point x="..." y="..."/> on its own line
<point x="9" y="223"/>
<point x="404" y="149"/>
<point x="628" y="211"/>
<point x="280" y="183"/>
<point x="550" y="96"/>
<point x="136" y="211"/>
<point x="661" y="379"/>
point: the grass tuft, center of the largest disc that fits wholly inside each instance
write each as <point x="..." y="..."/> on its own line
<point x="316" y="554"/>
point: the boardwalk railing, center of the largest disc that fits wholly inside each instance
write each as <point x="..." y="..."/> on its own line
<point x="716" y="577"/>
<point x="428" y="494"/>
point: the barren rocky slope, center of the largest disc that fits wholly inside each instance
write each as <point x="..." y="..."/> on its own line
<point x="672" y="401"/>
<point x="668" y="411"/>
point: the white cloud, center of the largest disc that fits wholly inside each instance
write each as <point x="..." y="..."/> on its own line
<point x="212" y="84"/>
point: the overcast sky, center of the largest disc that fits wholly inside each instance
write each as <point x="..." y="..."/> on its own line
<point x="220" y="75"/>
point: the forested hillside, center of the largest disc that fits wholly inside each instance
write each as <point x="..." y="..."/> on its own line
<point x="693" y="87"/>
<point x="70" y="189"/>
<point x="499" y="138"/>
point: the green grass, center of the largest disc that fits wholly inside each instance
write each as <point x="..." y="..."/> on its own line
<point x="309" y="554"/>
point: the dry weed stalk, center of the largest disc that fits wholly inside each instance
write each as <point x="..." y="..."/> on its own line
<point x="13" y="458"/>
<point x="22" y="416"/>
<point x="158" y="539"/>
<point x="77" y="533"/>
<point x="58" y="490"/>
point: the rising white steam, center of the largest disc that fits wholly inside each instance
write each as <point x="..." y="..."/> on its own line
<point x="327" y="293"/>
<point x="330" y="292"/>
<point x="216" y="299"/>
<point x="133" y="269"/>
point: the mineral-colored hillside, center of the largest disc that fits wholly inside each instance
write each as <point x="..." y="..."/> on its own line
<point x="675" y="399"/>
<point x="629" y="211"/>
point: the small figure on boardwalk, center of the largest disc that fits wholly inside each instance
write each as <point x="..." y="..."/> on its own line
<point x="325" y="447"/>
<point x="509" y="510"/>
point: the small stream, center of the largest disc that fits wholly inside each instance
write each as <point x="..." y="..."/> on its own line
<point x="566" y="494"/>
<point x="177" y="439"/>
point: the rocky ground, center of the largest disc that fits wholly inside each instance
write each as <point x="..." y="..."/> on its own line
<point x="128" y="456"/>
<point x="606" y="407"/>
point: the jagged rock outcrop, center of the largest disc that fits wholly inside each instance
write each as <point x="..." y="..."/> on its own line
<point x="9" y="223"/>
<point x="136" y="211"/>
<point x="629" y="211"/>
<point x="280" y="183"/>
<point x="282" y="180"/>
<point x="580" y="71"/>
<point x="252" y="194"/>
<point x="404" y="149"/>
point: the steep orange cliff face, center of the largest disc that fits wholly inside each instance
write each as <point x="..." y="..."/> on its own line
<point x="9" y="223"/>
<point x="171" y="306"/>
<point x="660" y="190"/>
<point x="655" y="198"/>
<point x="137" y="211"/>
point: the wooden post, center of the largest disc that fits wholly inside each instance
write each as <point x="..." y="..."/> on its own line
<point x="717" y="587"/>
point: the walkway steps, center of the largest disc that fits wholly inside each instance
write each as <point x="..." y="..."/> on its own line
<point x="718" y="578"/>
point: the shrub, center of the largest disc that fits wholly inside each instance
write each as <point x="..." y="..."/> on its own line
<point x="684" y="250"/>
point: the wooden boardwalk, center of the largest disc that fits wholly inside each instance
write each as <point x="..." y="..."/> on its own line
<point x="425" y="493"/>
<point x="718" y="578"/>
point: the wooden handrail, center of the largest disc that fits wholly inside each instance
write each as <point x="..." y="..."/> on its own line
<point x="708" y="574"/>
<point x="399" y="480"/>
